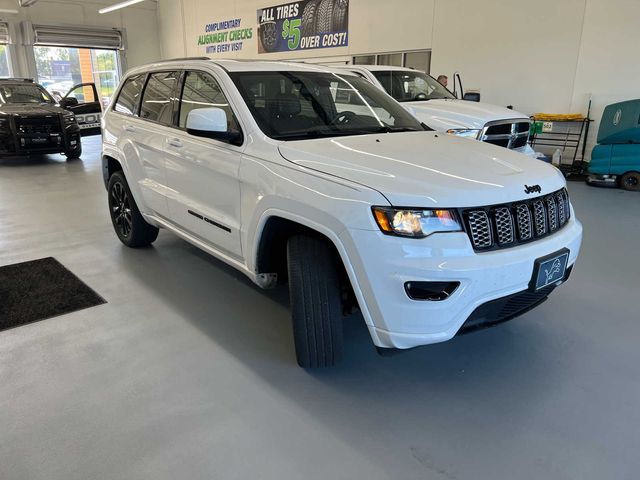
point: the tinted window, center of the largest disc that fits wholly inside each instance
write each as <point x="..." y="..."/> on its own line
<point x="200" y="91"/>
<point x="297" y="105"/>
<point x="156" y="99"/>
<point x="129" y="95"/>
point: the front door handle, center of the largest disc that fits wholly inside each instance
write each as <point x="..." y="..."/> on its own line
<point x="129" y="128"/>
<point x="175" y="142"/>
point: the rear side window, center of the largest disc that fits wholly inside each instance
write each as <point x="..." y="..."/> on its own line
<point x="157" y="105"/>
<point x="129" y="95"/>
<point x="200" y="91"/>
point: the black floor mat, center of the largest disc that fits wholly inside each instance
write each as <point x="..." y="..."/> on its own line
<point x="40" y="289"/>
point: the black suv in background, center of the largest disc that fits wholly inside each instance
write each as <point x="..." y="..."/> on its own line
<point x="31" y="122"/>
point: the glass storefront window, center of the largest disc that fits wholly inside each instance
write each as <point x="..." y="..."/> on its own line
<point x="60" y="68"/>
<point x="4" y="62"/>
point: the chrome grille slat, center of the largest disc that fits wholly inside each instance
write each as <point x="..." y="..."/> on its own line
<point x="552" y="211"/>
<point x="562" y="217"/>
<point x="502" y="226"/>
<point x="480" y="227"/>
<point x="525" y="230"/>
<point x="539" y="218"/>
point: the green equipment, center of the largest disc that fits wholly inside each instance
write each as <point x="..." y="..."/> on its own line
<point x="615" y="161"/>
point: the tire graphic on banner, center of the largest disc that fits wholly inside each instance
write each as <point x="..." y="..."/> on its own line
<point x="325" y="16"/>
<point x="309" y="18"/>
<point x="303" y="25"/>
<point x="268" y="36"/>
<point x="339" y="21"/>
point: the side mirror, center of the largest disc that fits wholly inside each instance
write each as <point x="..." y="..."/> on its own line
<point x="472" y="96"/>
<point x="211" y="122"/>
<point x="68" y="102"/>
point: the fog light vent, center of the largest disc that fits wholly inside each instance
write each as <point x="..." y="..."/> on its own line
<point x="430" y="291"/>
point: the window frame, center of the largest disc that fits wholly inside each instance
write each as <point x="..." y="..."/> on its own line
<point x="172" y="96"/>
<point x="144" y="77"/>
<point x="176" y="112"/>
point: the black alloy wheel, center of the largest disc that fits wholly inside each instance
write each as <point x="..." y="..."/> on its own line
<point x="120" y="209"/>
<point x="128" y="223"/>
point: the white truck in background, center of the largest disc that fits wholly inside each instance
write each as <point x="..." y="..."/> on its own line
<point x="439" y="109"/>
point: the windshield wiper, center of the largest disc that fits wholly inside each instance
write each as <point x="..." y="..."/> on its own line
<point x="390" y="129"/>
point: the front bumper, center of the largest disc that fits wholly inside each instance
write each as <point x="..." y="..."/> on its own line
<point x="383" y="264"/>
<point x="13" y="142"/>
<point x="602" y="180"/>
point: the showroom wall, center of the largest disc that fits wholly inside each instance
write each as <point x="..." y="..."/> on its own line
<point x="139" y="22"/>
<point x="542" y="56"/>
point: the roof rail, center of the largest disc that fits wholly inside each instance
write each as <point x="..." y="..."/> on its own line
<point x="18" y="79"/>
<point x="183" y="59"/>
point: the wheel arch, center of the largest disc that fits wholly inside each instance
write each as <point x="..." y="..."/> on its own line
<point x="110" y="165"/>
<point x="276" y="227"/>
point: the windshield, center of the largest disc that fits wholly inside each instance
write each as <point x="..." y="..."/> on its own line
<point x="406" y="86"/>
<point x="24" y="93"/>
<point x="300" y="105"/>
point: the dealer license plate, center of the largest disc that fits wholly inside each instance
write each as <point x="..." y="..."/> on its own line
<point x="550" y="269"/>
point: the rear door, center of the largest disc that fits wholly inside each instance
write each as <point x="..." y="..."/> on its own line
<point x="88" y="111"/>
<point x="148" y="130"/>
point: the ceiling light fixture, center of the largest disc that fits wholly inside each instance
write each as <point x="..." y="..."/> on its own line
<point x="118" y="6"/>
<point x="9" y="11"/>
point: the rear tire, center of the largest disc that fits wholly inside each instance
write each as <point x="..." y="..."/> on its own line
<point x="128" y="223"/>
<point x="630" y="181"/>
<point x="316" y="308"/>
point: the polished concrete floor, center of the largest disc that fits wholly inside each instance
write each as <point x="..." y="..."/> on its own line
<point x="188" y="371"/>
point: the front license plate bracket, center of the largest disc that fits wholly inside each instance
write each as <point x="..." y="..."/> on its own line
<point x="549" y="270"/>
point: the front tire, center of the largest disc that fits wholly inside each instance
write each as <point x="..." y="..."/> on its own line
<point x="73" y="154"/>
<point x="316" y="307"/>
<point x="630" y="181"/>
<point x="128" y="223"/>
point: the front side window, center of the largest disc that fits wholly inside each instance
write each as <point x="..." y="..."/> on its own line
<point x="129" y="96"/>
<point x="24" y="93"/>
<point x="157" y="105"/>
<point x="201" y="90"/>
<point x="407" y="86"/>
<point x="298" y="105"/>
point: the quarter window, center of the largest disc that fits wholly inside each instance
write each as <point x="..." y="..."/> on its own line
<point x="201" y="90"/>
<point x="156" y="99"/>
<point x="129" y="95"/>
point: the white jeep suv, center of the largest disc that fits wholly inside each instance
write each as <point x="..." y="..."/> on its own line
<point x="268" y="167"/>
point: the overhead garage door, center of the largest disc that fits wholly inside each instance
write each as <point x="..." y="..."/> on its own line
<point x="4" y="33"/>
<point x="50" y="35"/>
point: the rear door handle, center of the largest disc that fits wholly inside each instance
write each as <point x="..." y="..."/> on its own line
<point x="175" y="142"/>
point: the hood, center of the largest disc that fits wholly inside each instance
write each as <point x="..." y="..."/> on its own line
<point x="30" y="109"/>
<point x="426" y="169"/>
<point x="444" y="114"/>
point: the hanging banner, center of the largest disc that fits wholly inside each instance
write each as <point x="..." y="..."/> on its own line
<point x="303" y="25"/>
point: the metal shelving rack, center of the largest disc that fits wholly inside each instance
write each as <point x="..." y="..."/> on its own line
<point x="571" y="137"/>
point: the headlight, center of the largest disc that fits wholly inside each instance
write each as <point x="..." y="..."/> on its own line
<point x="414" y="222"/>
<point x="464" y="132"/>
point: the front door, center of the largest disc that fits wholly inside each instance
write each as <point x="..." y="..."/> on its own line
<point x="202" y="173"/>
<point x="88" y="109"/>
